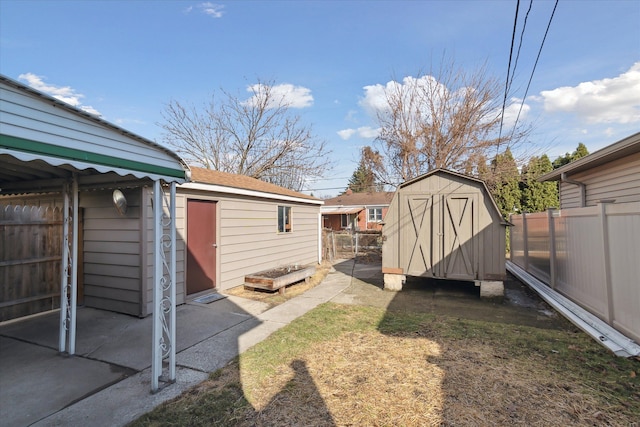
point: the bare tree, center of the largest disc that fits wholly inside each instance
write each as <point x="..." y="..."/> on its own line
<point x="258" y="137"/>
<point x="444" y="119"/>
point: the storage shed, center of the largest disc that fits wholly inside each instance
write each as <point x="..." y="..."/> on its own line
<point x="230" y="226"/>
<point x="444" y="225"/>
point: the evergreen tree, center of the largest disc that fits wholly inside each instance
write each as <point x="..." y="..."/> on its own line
<point x="538" y="196"/>
<point x="360" y="181"/>
<point x="580" y="152"/>
<point x="505" y="188"/>
<point x="363" y="178"/>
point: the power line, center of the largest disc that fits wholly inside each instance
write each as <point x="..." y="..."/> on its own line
<point x="534" y="66"/>
<point x="524" y="27"/>
<point x="507" y="84"/>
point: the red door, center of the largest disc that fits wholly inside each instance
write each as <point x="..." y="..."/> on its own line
<point x="201" y="245"/>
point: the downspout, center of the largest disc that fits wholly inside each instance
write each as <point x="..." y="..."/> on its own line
<point x="582" y="185"/>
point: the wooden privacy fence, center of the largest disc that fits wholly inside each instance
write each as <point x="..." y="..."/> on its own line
<point x="30" y="259"/>
<point x="590" y="255"/>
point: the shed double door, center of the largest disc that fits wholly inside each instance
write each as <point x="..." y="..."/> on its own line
<point x="439" y="235"/>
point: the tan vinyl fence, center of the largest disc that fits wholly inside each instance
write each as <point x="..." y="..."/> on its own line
<point x="590" y="255"/>
<point x="30" y="259"/>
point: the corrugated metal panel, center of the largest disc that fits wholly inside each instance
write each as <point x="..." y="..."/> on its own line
<point x="40" y="118"/>
<point x="36" y="127"/>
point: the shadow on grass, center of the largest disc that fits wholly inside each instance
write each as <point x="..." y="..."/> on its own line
<point x="433" y="354"/>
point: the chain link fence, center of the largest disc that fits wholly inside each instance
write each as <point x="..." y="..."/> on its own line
<point x="348" y="244"/>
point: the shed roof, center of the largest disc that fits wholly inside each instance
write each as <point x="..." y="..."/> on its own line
<point x="615" y="151"/>
<point x="369" y="198"/>
<point x="462" y="176"/>
<point x="237" y="183"/>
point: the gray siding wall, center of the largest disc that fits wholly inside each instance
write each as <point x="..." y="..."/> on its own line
<point x="112" y="248"/>
<point x="248" y="238"/>
<point x="490" y="233"/>
<point x="619" y="180"/>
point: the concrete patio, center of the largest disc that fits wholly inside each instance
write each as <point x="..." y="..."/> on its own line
<point x="107" y="382"/>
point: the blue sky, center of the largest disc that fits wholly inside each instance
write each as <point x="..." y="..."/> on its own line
<point x="126" y="59"/>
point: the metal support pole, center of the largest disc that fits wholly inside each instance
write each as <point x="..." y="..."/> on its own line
<point x="172" y="275"/>
<point x="74" y="267"/>
<point x="62" y="342"/>
<point x="156" y="351"/>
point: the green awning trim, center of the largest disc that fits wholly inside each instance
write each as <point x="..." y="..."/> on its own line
<point x="34" y="147"/>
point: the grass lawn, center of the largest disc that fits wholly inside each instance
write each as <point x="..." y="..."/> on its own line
<point x="362" y="366"/>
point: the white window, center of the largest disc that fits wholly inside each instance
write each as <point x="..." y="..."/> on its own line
<point x="347" y="220"/>
<point x="284" y="219"/>
<point x="375" y="214"/>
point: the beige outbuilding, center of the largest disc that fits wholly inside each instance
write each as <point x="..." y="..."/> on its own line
<point x="444" y="225"/>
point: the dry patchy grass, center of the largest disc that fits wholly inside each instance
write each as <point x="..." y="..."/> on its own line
<point x="358" y="366"/>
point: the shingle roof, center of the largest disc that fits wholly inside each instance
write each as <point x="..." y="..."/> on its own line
<point x="361" y="199"/>
<point x="208" y="176"/>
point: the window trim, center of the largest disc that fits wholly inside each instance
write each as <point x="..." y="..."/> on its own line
<point x="374" y="211"/>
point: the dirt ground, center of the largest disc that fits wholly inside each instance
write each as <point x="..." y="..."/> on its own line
<point x="520" y="306"/>
<point x="461" y="299"/>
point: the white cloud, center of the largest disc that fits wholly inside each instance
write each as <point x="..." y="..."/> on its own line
<point x="211" y="9"/>
<point x="368" y="132"/>
<point x="362" y="132"/>
<point x="287" y="94"/>
<point x="346" y="133"/>
<point x="512" y="110"/>
<point x="62" y="93"/>
<point x="375" y="96"/>
<point x="610" y="100"/>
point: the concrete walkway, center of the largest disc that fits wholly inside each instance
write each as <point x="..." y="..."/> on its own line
<point x="108" y="382"/>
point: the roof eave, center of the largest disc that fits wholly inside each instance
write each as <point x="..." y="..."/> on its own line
<point x="617" y="150"/>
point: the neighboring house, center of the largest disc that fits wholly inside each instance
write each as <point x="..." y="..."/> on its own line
<point x="233" y="225"/>
<point x="444" y="225"/>
<point x="356" y="211"/>
<point x="587" y="252"/>
<point x="76" y="216"/>
<point x="612" y="173"/>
